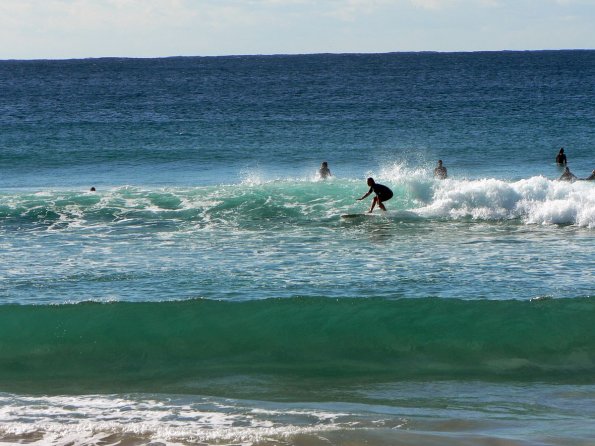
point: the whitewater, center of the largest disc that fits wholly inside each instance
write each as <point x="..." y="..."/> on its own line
<point x="210" y="291"/>
<point x="91" y="244"/>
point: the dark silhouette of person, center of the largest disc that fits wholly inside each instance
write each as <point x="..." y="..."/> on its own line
<point x="324" y="171"/>
<point x="382" y="192"/>
<point x="440" y="171"/>
<point x="561" y="158"/>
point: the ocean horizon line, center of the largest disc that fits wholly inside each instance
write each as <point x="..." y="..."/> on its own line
<point x="297" y="54"/>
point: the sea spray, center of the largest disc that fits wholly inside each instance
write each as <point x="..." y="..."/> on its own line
<point x="212" y="260"/>
<point x="531" y="201"/>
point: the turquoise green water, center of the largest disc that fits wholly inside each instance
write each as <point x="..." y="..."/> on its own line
<point x="151" y="347"/>
<point x="210" y="293"/>
<point x="467" y="239"/>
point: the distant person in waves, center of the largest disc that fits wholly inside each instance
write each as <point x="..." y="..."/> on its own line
<point x="440" y="171"/>
<point x="561" y="158"/>
<point x="324" y="171"/>
<point x="382" y="192"/>
<point x="567" y="175"/>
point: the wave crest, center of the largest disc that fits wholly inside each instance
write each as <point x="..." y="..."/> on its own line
<point x="144" y="346"/>
<point x="535" y="201"/>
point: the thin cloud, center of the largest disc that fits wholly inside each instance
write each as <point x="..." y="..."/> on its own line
<point x="90" y="28"/>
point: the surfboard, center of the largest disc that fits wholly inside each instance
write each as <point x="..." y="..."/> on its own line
<point x="356" y="215"/>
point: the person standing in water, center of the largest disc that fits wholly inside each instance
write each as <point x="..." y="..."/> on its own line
<point x="324" y="171"/>
<point x="440" y="171"/>
<point x="382" y="192"/>
<point x="561" y="158"/>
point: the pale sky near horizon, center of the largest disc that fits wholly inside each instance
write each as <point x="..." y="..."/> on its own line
<point x="61" y="29"/>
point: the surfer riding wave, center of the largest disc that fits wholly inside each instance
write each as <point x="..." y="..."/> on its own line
<point x="383" y="193"/>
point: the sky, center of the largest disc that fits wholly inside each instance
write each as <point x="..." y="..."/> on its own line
<point x="63" y="29"/>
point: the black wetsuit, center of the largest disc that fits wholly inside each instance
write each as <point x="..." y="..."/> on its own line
<point x="382" y="192"/>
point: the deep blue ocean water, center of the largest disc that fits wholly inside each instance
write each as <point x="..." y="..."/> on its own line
<point x="210" y="291"/>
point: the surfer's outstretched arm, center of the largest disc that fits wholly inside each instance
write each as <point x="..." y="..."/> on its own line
<point x="364" y="196"/>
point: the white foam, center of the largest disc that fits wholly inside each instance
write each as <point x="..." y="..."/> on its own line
<point x="535" y="200"/>
<point x="252" y="177"/>
<point x="113" y="420"/>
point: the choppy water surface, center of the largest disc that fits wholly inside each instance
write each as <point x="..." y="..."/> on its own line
<point x="211" y="291"/>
